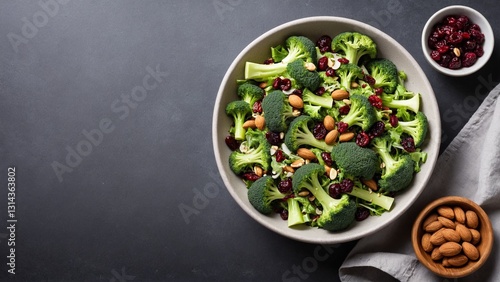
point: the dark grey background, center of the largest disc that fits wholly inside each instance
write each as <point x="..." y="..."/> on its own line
<point x="117" y="215"/>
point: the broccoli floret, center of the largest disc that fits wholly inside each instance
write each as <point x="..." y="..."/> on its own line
<point x="413" y="103"/>
<point x="299" y="47"/>
<point x="354" y="45"/>
<point x="313" y="111"/>
<point x="337" y="214"/>
<point x="299" y="134"/>
<point x="277" y="111"/>
<point x="250" y="93"/>
<point x="239" y="111"/>
<point x="304" y="77"/>
<point x="385" y="74"/>
<point x="362" y="113"/>
<point x="416" y="128"/>
<point x="347" y="74"/>
<point x="262" y="193"/>
<point x="258" y="153"/>
<point x="355" y="160"/>
<point x="325" y="100"/>
<point x="278" y="53"/>
<point x="330" y="83"/>
<point x="398" y="170"/>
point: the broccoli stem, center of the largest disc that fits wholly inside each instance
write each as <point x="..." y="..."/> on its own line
<point x="263" y="72"/>
<point x="375" y="198"/>
<point x="295" y="216"/>
<point x="321" y="195"/>
<point x="239" y="130"/>
<point x="308" y="139"/>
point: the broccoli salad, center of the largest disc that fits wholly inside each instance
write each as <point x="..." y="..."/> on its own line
<point x="324" y="132"/>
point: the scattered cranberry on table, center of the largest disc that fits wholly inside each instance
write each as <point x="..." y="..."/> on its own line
<point x="456" y="42"/>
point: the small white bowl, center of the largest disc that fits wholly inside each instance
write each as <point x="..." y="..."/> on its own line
<point x="474" y="17"/>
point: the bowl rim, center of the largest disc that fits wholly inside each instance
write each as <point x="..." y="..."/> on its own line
<point x="485" y="27"/>
<point x="431" y="160"/>
<point x="451" y="200"/>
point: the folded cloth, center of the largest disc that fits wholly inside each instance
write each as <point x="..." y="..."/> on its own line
<point x="469" y="167"/>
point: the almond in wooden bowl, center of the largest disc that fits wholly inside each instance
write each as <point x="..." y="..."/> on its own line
<point x="456" y="252"/>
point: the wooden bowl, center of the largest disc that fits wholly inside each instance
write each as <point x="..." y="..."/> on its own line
<point x="484" y="246"/>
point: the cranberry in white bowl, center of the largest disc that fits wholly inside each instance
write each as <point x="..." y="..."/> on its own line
<point x="457" y="40"/>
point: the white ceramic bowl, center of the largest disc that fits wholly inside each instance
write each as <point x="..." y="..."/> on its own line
<point x="314" y="27"/>
<point x="474" y="17"/>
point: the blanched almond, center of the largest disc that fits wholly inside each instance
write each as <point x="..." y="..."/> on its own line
<point x="306" y="154"/>
<point x="295" y="101"/>
<point x="329" y="123"/>
<point x="331" y="137"/>
<point x="340" y="94"/>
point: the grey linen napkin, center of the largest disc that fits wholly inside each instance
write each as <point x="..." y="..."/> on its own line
<point x="469" y="167"/>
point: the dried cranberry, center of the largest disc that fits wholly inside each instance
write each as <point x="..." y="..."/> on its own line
<point x="232" y="143"/>
<point x="346" y="185"/>
<point x="435" y="55"/>
<point x="464" y="20"/>
<point x="323" y="63"/>
<point x="393" y="120"/>
<point x="273" y="138"/>
<point x="335" y="190"/>
<point x="344" y="110"/>
<point x="443" y="49"/>
<point x="330" y="72"/>
<point x="285" y="186"/>
<point x="408" y="144"/>
<point x="369" y="79"/>
<point x="377" y="129"/>
<point x="279" y="156"/>
<point x="455" y="63"/>
<point x="451" y="20"/>
<point x="257" y="107"/>
<point x="479" y="51"/>
<point x="342" y="127"/>
<point x="469" y="59"/>
<point x="474" y="27"/>
<point x="432" y="41"/>
<point x="362" y="139"/>
<point x="361" y="213"/>
<point x="284" y="214"/>
<point x="319" y="131"/>
<point x="277" y="83"/>
<point x="445" y="60"/>
<point x="379" y="91"/>
<point x="320" y="91"/>
<point x="375" y="101"/>
<point x="327" y="158"/>
<point x="297" y="92"/>
<point x="470" y="45"/>
<point x="455" y="38"/>
<point x="268" y="61"/>
<point x="250" y="176"/>
<point x="286" y="84"/>
<point x="343" y="60"/>
<point x="324" y="43"/>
